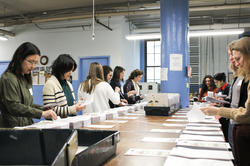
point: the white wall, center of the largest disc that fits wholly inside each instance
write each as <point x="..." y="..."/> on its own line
<point x="78" y="43"/>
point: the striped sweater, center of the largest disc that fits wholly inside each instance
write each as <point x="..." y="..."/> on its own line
<point x="53" y="94"/>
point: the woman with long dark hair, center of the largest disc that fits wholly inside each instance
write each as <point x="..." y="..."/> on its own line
<point x="132" y="85"/>
<point x="16" y="103"/>
<point x="95" y="87"/>
<point x="58" y="90"/>
<point x="207" y="85"/>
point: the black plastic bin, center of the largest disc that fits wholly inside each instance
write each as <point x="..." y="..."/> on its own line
<point x="158" y="111"/>
<point x="35" y="147"/>
<point x="101" y="144"/>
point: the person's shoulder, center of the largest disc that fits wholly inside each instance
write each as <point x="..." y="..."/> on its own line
<point x="9" y="76"/>
<point x="51" y="81"/>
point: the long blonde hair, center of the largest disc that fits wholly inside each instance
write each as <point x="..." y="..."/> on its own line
<point x="243" y="46"/>
<point x="95" y="76"/>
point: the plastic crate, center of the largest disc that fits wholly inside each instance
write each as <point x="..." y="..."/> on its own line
<point x="37" y="147"/>
<point x="101" y="144"/>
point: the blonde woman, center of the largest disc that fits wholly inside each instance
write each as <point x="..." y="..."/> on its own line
<point x="241" y="133"/>
<point x="99" y="89"/>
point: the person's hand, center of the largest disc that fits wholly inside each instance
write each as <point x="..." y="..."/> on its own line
<point x="124" y="101"/>
<point x="117" y="89"/>
<point x="80" y="107"/>
<point x="211" y="111"/>
<point x="142" y="97"/>
<point x="217" y="117"/>
<point x="49" y="114"/>
<point x="132" y="92"/>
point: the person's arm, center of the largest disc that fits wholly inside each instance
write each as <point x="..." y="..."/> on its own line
<point x="112" y="95"/>
<point x="11" y="99"/>
<point x="50" y="97"/>
<point x="240" y="115"/>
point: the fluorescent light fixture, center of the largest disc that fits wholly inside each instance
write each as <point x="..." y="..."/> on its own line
<point x="143" y="36"/>
<point x="191" y="34"/>
<point x="3" y="38"/>
<point x="216" y="32"/>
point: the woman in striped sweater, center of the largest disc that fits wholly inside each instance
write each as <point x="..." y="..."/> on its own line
<point x="58" y="90"/>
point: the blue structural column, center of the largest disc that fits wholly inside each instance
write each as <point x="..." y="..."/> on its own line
<point x="174" y="40"/>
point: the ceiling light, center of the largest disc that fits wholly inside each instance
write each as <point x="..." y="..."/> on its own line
<point x="3" y="38"/>
<point x="148" y="36"/>
<point x="143" y="36"/>
<point x="216" y="32"/>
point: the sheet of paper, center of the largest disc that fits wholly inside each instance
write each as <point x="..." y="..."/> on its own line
<point x="202" y="132"/>
<point x="147" y="152"/>
<point x="204" y="144"/>
<point x="195" y="115"/>
<point x="116" y="121"/>
<point x="204" y="124"/>
<point x="201" y="153"/>
<point x="176" y="116"/>
<point x="126" y="117"/>
<point x="202" y="128"/>
<point x="201" y="138"/>
<point x="175" y="62"/>
<point x="155" y="139"/>
<point x="166" y="130"/>
<point x="213" y="100"/>
<point x="174" y="125"/>
<point x="181" y="161"/>
<point x="177" y="120"/>
<point x="101" y="126"/>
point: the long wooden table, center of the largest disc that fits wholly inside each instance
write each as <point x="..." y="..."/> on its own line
<point x="131" y="134"/>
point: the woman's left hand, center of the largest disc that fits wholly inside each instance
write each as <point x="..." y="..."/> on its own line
<point x="211" y="111"/>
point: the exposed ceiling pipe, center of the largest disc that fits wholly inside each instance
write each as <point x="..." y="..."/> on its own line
<point x="121" y="13"/>
<point x="9" y="33"/>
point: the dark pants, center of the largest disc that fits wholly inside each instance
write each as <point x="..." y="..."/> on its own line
<point x="224" y="126"/>
<point x="241" y="140"/>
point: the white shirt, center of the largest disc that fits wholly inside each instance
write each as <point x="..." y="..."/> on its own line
<point x="102" y="93"/>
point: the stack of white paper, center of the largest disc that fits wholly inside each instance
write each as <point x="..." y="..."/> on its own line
<point x="204" y="124"/>
<point x="180" y="161"/>
<point x="201" y="137"/>
<point x="155" y="139"/>
<point x="126" y="117"/>
<point x="202" y="128"/>
<point x="147" y="152"/>
<point x="177" y="120"/>
<point x="202" y="132"/>
<point x="101" y="126"/>
<point x="116" y="121"/>
<point x="204" y="144"/>
<point x="201" y="153"/>
<point x="174" y="125"/>
<point x="166" y="130"/>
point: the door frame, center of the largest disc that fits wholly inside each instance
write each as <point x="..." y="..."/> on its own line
<point x="89" y="57"/>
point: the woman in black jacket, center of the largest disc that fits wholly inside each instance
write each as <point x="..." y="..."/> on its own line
<point x="132" y="85"/>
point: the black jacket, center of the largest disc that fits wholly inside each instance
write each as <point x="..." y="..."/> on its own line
<point x="129" y="86"/>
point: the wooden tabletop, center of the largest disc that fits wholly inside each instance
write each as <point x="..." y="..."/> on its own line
<point x="131" y="134"/>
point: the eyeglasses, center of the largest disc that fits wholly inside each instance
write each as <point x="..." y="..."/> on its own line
<point x="32" y="62"/>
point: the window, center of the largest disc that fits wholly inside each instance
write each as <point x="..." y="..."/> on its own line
<point x="153" y="61"/>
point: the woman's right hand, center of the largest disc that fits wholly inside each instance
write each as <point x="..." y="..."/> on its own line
<point x="132" y="92"/>
<point x="117" y="89"/>
<point x="49" y="114"/>
<point x="80" y="107"/>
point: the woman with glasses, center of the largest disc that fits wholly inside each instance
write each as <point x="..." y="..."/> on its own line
<point x="58" y="91"/>
<point x="16" y="102"/>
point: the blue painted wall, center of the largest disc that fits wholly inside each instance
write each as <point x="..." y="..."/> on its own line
<point x="174" y="40"/>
